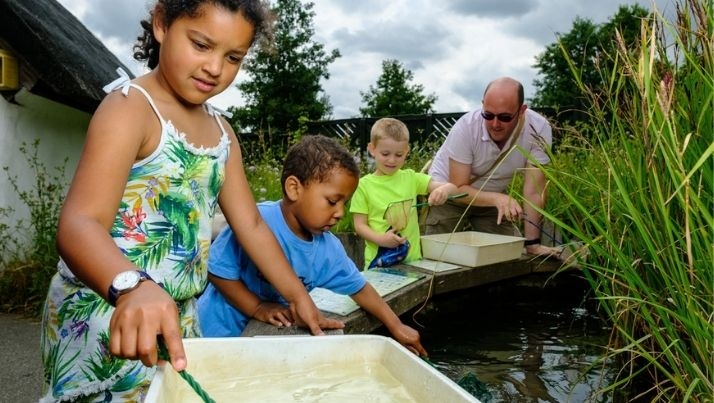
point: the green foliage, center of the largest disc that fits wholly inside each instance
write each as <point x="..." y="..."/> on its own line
<point x="640" y="196"/>
<point x="26" y="266"/>
<point x="264" y="177"/>
<point x="394" y="95"/>
<point x="284" y="81"/>
<point x="264" y="172"/>
<point x="590" y="48"/>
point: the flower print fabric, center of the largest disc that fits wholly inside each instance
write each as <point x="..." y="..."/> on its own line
<point x="163" y="226"/>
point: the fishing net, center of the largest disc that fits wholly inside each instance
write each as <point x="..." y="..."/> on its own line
<point x="397" y="214"/>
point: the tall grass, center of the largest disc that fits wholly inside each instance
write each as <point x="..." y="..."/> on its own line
<point x="642" y="201"/>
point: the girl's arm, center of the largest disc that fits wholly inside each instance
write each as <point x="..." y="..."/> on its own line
<point x="112" y="145"/>
<point x="254" y="235"/>
<point x="368" y="298"/>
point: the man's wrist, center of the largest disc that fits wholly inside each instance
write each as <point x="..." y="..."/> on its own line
<point x="530" y="242"/>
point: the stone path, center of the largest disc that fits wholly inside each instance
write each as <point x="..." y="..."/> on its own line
<point x="20" y="362"/>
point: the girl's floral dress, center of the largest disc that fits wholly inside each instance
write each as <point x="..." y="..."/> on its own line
<point x="163" y="226"/>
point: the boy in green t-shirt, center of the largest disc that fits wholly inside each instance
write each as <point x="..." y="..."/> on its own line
<point x="389" y="146"/>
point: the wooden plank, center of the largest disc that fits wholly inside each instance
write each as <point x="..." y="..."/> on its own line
<point x="400" y="301"/>
<point x="414" y="294"/>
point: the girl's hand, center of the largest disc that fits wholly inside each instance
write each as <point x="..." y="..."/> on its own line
<point x="409" y="338"/>
<point x="276" y="314"/>
<point x="139" y="317"/>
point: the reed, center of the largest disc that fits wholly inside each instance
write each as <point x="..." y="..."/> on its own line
<point x="641" y="200"/>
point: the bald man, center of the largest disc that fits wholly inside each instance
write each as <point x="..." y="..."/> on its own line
<point x="483" y="152"/>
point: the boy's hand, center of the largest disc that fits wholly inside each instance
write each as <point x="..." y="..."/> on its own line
<point x="391" y="239"/>
<point x="139" y="317"/>
<point x="307" y="315"/>
<point x="276" y="314"/>
<point x="438" y="197"/>
<point x="441" y="194"/>
<point x="409" y="338"/>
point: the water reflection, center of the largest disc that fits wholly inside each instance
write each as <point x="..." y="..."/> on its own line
<point x="528" y="342"/>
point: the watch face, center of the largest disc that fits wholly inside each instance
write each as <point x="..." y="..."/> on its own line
<point x="126" y="280"/>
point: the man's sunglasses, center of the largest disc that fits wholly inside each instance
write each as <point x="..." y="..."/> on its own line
<point x="502" y="117"/>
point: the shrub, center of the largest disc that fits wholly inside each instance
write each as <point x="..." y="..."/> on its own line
<point x="27" y="265"/>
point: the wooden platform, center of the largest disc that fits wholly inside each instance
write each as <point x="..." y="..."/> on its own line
<point x="414" y="294"/>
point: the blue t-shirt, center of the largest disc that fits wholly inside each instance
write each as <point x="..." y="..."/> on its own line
<point x="321" y="262"/>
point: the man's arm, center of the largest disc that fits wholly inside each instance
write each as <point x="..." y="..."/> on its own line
<point x="534" y="191"/>
<point x="535" y="194"/>
<point x="460" y="175"/>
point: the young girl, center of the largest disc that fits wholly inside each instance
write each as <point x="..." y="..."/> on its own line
<point x="135" y="229"/>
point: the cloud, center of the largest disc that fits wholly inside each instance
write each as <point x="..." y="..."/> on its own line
<point x="454" y="48"/>
<point x="491" y="8"/>
<point x="116" y="19"/>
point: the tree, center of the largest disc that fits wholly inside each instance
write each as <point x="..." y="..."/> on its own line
<point x="394" y="95"/>
<point x="590" y="48"/>
<point x="284" y="85"/>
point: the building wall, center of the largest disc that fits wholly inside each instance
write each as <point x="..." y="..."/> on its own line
<point x="60" y="130"/>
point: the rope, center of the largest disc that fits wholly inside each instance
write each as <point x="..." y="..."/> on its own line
<point x="164" y="355"/>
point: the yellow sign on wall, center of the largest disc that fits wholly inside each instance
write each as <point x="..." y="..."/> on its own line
<point x="9" y="72"/>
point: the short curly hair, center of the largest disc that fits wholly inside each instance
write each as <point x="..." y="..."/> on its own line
<point x="314" y="158"/>
<point x="257" y="12"/>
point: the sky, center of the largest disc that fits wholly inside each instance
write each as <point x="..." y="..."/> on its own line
<point x="453" y="47"/>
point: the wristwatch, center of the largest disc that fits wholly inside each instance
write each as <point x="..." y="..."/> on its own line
<point x="125" y="282"/>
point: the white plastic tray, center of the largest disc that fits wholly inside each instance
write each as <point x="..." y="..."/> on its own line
<point x="305" y="369"/>
<point x="471" y="248"/>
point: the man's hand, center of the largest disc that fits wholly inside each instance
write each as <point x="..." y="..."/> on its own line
<point x="542" y="250"/>
<point x="508" y="208"/>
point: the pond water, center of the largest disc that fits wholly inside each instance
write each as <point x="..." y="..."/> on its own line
<point x="527" y="340"/>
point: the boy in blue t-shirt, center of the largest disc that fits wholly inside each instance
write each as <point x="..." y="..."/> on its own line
<point x="319" y="176"/>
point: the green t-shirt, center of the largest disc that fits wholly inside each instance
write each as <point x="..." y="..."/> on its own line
<point x="375" y="192"/>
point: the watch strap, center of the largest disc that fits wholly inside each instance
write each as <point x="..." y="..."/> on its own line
<point x="529" y="242"/>
<point x="113" y="293"/>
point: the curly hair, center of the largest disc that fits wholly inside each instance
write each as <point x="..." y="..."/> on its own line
<point x="257" y="12"/>
<point x="314" y="158"/>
